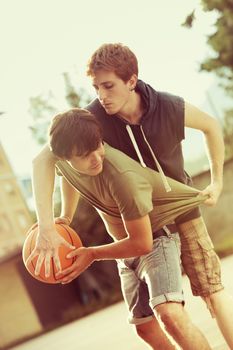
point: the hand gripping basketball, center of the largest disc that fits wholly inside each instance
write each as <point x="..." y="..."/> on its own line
<point x="44" y="252"/>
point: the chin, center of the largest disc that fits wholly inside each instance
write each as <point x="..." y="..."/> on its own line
<point x="96" y="171"/>
<point x="111" y="111"/>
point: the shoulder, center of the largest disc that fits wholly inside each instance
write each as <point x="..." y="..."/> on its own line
<point x="165" y="98"/>
<point x="171" y="101"/>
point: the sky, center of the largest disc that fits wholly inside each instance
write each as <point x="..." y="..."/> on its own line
<point x="41" y="39"/>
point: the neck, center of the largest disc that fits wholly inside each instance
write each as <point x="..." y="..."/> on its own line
<point x="133" y="110"/>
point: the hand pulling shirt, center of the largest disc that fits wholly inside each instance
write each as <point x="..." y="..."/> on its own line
<point x="127" y="190"/>
<point x="156" y="142"/>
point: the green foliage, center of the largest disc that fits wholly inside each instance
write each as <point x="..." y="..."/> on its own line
<point x="228" y="133"/>
<point x="221" y="59"/>
<point x="75" y="98"/>
<point x="41" y="109"/>
<point x="222" y="40"/>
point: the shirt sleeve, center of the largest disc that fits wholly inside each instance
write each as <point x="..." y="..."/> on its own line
<point x="133" y="195"/>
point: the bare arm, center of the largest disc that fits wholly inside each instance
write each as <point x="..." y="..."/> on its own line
<point x="196" y="119"/>
<point x="69" y="199"/>
<point x="48" y="240"/>
<point x="43" y="175"/>
<point x="138" y="242"/>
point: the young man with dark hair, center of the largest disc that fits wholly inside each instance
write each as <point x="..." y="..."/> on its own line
<point x="148" y="126"/>
<point x="134" y="205"/>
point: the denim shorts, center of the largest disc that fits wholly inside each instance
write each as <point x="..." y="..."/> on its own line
<point x="152" y="279"/>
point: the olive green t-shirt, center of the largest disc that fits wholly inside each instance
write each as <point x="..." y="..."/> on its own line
<point x="126" y="190"/>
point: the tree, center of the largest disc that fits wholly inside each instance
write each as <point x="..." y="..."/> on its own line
<point x="221" y="60"/>
<point x="228" y="133"/>
<point x="221" y="41"/>
<point x="43" y="107"/>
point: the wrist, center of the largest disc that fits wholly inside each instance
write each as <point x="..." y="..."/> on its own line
<point x="217" y="182"/>
<point x="46" y="225"/>
<point x="94" y="253"/>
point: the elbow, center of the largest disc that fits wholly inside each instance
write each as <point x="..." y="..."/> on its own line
<point x="148" y="249"/>
<point x="213" y="127"/>
<point x="144" y="248"/>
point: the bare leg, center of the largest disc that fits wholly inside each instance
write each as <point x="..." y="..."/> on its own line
<point x="179" y="326"/>
<point x="193" y="234"/>
<point x="152" y="333"/>
<point x="222" y="305"/>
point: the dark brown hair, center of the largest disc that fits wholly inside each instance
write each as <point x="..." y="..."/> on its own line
<point x="76" y="130"/>
<point x="114" y="57"/>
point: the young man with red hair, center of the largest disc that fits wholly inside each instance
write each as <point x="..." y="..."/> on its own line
<point x="149" y="126"/>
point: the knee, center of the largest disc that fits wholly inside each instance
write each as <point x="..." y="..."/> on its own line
<point x="142" y="332"/>
<point x="148" y="329"/>
<point x="172" y="316"/>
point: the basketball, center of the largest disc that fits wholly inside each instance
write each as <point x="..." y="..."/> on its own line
<point x="68" y="234"/>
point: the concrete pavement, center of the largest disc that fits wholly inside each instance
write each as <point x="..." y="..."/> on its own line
<point x="108" y="329"/>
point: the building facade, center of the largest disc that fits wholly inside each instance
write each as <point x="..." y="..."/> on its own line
<point x="15" y="218"/>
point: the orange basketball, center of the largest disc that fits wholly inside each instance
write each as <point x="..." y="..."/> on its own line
<point x="66" y="232"/>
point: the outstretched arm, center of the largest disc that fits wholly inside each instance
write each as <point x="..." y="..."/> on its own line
<point x="196" y="119"/>
<point x="43" y="175"/>
<point x="48" y="240"/>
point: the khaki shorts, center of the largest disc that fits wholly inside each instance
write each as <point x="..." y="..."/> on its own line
<point x="199" y="259"/>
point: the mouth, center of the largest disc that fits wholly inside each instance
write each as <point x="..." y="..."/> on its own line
<point x="96" y="166"/>
<point x="106" y="105"/>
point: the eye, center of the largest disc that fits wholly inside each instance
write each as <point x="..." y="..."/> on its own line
<point x="85" y="155"/>
<point x="108" y="86"/>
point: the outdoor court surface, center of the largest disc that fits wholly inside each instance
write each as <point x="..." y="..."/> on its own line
<point x="108" y="329"/>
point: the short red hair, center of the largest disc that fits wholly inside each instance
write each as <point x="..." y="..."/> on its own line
<point x="117" y="58"/>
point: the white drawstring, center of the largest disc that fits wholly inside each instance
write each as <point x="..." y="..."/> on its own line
<point x="164" y="179"/>
<point x="132" y="138"/>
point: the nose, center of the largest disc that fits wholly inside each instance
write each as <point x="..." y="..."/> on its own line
<point x="101" y="94"/>
<point x="96" y="157"/>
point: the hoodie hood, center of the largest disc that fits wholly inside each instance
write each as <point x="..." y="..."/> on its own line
<point x="149" y="97"/>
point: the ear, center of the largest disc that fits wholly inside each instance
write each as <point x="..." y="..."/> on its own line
<point x="132" y="82"/>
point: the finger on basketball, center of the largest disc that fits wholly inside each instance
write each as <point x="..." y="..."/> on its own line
<point x="57" y="262"/>
<point x="33" y="254"/>
<point x="47" y="262"/>
<point x="39" y="263"/>
<point x="51" y="257"/>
